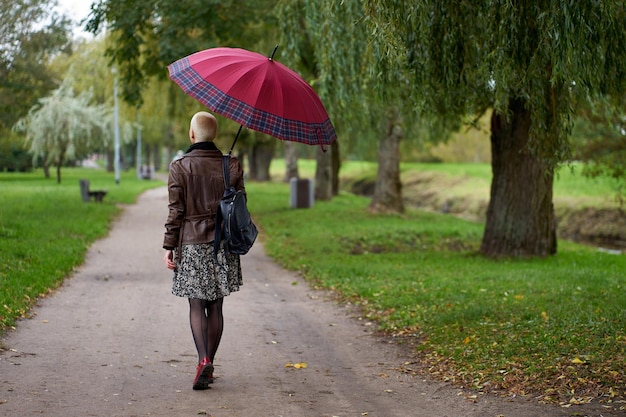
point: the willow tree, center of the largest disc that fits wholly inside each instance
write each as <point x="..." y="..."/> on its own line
<point x="532" y="63"/>
<point x="331" y="41"/>
<point x="63" y="126"/>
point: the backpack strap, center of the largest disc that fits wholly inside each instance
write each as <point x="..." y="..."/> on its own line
<point x="226" y="169"/>
<point x="219" y="218"/>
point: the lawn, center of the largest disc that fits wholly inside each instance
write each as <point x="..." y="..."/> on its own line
<point x="46" y="229"/>
<point x="554" y="327"/>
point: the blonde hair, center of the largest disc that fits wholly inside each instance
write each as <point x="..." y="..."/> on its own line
<point x="204" y="126"/>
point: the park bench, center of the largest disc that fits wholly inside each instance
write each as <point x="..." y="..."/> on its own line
<point x="88" y="194"/>
<point x="146" y="172"/>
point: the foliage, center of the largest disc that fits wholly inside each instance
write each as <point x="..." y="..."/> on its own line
<point x="330" y="42"/>
<point x="148" y="36"/>
<point x="33" y="259"/>
<point x="489" y="325"/>
<point x="30" y="34"/>
<point x="63" y="127"/>
<point x="142" y="39"/>
<point x="548" y="54"/>
<point x="13" y="154"/>
<point x="599" y="139"/>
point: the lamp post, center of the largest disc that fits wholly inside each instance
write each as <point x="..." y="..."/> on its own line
<point x="139" y="157"/>
<point x="116" y="127"/>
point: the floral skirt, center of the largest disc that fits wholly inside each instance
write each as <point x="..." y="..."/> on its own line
<point x="198" y="275"/>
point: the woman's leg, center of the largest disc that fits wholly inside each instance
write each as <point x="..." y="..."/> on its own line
<point x="199" y="325"/>
<point x="215" y="326"/>
<point x="207" y="324"/>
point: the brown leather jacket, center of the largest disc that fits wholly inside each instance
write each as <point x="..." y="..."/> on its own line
<point x="195" y="186"/>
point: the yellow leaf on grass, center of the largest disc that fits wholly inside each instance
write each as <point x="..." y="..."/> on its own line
<point x="466" y="340"/>
<point x="544" y="315"/>
<point x="577" y="361"/>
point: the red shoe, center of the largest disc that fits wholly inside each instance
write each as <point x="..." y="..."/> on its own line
<point x="203" y="371"/>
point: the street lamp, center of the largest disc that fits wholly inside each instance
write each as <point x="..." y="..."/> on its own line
<point x="116" y="127"/>
<point x="139" y="162"/>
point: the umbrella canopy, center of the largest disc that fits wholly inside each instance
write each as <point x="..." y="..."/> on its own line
<point x="256" y="92"/>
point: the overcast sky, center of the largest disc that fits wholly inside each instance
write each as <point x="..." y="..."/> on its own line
<point x="77" y="10"/>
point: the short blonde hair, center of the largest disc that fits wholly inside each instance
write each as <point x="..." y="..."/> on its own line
<point x="204" y="126"/>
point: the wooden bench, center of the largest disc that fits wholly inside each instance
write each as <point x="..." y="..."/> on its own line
<point x="88" y="194"/>
<point x="146" y="172"/>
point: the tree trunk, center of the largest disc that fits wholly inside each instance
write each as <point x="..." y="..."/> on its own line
<point x="336" y="166"/>
<point x="291" y="161"/>
<point x="324" y="174"/>
<point x="110" y="155"/>
<point x="60" y="163"/>
<point x="388" y="189"/>
<point x="260" y="159"/>
<point x="520" y="216"/>
<point x="156" y="157"/>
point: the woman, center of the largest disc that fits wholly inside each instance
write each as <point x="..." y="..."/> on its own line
<point x="195" y="186"/>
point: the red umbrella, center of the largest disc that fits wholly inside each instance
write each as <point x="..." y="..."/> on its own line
<point x="256" y="92"/>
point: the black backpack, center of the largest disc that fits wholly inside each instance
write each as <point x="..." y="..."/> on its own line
<point x="239" y="231"/>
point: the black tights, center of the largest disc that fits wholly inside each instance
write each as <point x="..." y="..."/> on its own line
<point x="207" y="324"/>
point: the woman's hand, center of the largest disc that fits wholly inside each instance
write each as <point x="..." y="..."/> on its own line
<point x="168" y="258"/>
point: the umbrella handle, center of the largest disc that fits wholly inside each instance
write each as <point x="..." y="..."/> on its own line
<point x="235" y="141"/>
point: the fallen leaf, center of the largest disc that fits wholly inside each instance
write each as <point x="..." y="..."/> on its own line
<point x="301" y="365"/>
<point x="577" y="361"/>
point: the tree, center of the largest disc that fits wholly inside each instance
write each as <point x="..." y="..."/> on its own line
<point x="30" y="33"/>
<point x="149" y="35"/>
<point x="331" y="41"/>
<point x="533" y="63"/>
<point x="63" y="126"/>
<point x="90" y="73"/>
<point x="388" y="189"/>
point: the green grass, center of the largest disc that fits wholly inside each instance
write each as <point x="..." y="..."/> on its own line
<point x="470" y="181"/>
<point x="554" y="327"/>
<point x="46" y="229"/>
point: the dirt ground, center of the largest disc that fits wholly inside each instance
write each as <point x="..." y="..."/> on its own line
<point x="113" y="341"/>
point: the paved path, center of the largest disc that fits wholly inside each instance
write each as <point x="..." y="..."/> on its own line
<point x="113" y="341"/>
